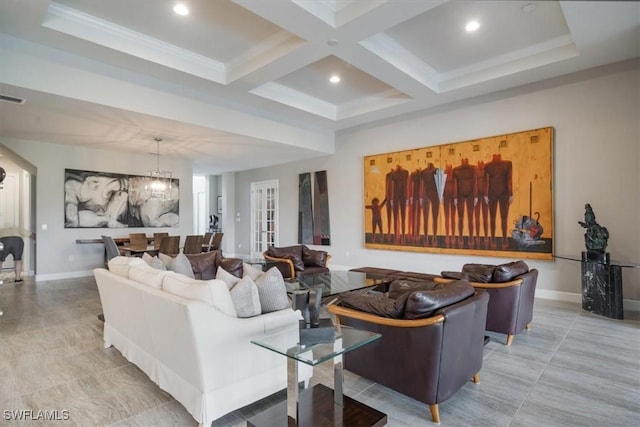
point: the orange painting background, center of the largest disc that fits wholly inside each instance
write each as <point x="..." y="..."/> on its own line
<point x="531" y="155"/>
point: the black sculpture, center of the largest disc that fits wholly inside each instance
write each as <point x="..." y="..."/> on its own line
<point x="596" y="235"/>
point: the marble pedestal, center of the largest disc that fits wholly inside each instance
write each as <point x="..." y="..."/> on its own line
<point x="601" y="285"/>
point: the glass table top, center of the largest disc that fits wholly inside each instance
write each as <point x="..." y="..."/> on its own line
<point x="334" y="282"/>
<point x="624" y="264"/>
<point x="287" y="343"/>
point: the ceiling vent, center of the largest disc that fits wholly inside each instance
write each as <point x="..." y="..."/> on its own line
<point x="11" y="99"/>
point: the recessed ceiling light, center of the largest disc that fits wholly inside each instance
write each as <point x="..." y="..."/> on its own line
<point x="181" y="9"/>
<point x="335" y="79"/>
<point x="472" y="26"/>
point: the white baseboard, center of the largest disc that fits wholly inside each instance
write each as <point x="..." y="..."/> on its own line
<point x="628" y="304"/>
<point x="60" y="276"/>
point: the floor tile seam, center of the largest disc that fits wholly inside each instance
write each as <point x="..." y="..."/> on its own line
<point x="546" y="366"/>
<point x="364" y="389"/>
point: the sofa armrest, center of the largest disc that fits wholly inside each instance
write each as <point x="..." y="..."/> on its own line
<point x="338" y="311"/>
<point x="481" y="285"/>
<point x="285" y="261"/>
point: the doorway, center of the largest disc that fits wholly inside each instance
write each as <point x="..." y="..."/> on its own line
<point x="264" y="216"/>
<point x="16" y="212"/>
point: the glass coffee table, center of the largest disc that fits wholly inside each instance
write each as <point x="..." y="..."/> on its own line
<point x="318" y="405"/>
<point x="337" y="282"/>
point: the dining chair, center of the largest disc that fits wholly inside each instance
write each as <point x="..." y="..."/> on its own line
<point x="170" y="245"/>
<point x="137" y="241"/>
<point x="111" y="249"/>
<point x="216" y="241"/>
<point x="193" y="244"/>
<point x="156" y="239"/>
<point x="207" y="242"/>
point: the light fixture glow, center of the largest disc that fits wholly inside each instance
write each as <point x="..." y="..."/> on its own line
<point x="181" y="9"/>
<point x="472" y="26"/>
<point x="335" y="79"/>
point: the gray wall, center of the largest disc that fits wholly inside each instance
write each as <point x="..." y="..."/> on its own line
<point x="596" y="117"/>
<point x="57" y="254"/>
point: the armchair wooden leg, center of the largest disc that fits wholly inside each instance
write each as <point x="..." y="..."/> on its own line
<point x="435" y="413"/>
<point x="510" y="338"/>
<point x="476" y="378"/>
<point x="528" y="327"/>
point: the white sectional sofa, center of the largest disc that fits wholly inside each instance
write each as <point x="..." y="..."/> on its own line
<point x="192" y="345"/>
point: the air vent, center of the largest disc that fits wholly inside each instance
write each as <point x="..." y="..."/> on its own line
<point x="11" y="99"/>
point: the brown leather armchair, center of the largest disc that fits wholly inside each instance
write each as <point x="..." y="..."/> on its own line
<point x="511" y="287"/>
<point x="429" y="358"/>
<point x="297" y="260"/>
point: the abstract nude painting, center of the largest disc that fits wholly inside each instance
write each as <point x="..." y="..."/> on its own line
<point x="490" y="196"/>
<point x="110" y="200"/>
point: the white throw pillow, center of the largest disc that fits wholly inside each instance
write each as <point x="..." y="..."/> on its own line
<point x="166" y="259"/>
<point x="213" y="292"/>
<point x="153" y="261"/>
<point x="228" y="278"/>
<point x="179" y="264"/>
<point x="182" y="265"/>
<point x="272" y="291"/>
<point x="251" y="271"/>
<point x="120" y="265"/>
<point x="244" y="295"/>
<point x="146" y="275"/>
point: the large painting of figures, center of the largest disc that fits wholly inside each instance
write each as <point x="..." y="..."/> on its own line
<point x="110" y="200"/>
<point x="490" y="196"/>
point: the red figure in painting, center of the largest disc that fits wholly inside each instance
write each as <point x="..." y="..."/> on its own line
<point x="465" y="194"/>
<point x="498" y="175"/>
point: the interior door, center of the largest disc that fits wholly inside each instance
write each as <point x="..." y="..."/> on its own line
<point x="10" y="209"/>
<point x="264" y="216"/>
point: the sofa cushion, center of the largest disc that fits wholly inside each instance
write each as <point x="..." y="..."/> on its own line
<point x="227" y="277"/>
<point x="479" y="272"/>
<point x="251" y="271"/>
<point x="425" y="303"/>
<point x="204" y="265"/>
<point x="147" y="275"/>
<point x="272" y="291"/>
<point x="213" y="292"/>
<point x="313" y="258"/>
<point x="246" y="300"/>
<point x="293" y="253"/>
<point x="377" y="305"/>
<point x="231" y="265"/>
<point x="509" y="271"/>
<point x="120" y="265"/>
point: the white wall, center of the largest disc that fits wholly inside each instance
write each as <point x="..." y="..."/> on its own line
<point x="57" y="253"/>
<point x="596" y="117"/>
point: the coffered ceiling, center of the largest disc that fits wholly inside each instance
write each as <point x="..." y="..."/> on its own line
<point x="241" y="84"/>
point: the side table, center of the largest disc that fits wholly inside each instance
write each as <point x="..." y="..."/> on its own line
<point x="601" y="283"/>
<point x="318" y="405"/>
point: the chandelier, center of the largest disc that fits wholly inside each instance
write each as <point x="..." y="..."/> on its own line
<point x="159" y="183"/>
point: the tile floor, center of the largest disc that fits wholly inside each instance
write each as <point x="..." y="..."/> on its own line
<point x="572" y="369"/>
